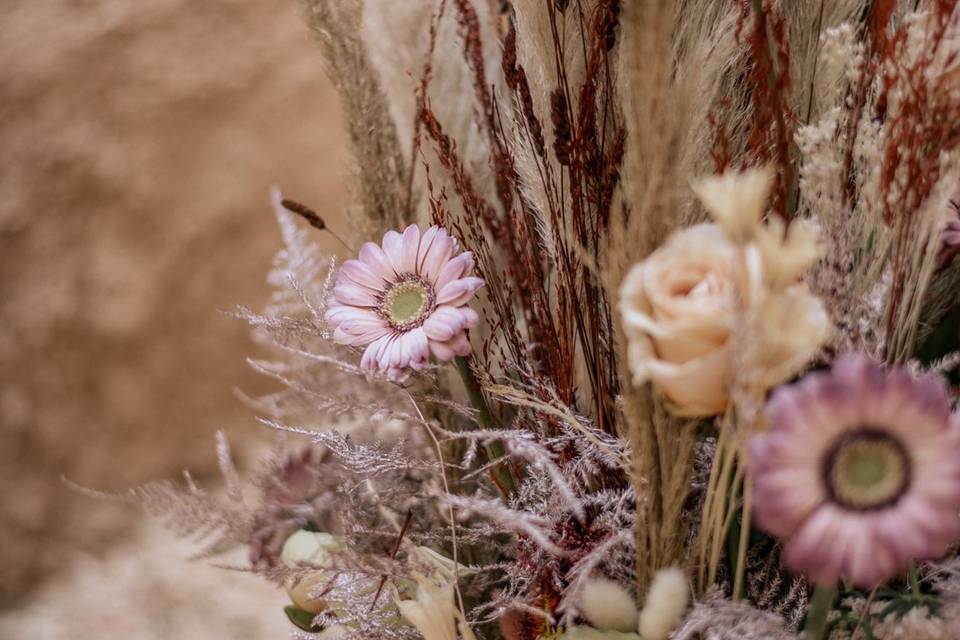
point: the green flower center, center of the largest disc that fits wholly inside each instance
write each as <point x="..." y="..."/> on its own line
<point x="867" y="469"/>
<point x="407" y="303"/>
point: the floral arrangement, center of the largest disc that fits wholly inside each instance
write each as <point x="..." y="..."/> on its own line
<point x="649" y="329"/>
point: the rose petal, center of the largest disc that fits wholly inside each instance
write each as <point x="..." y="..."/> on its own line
<point x="697" y="387"/>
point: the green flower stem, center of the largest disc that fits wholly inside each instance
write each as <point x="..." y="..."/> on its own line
<point x="821" y="604"/>
<point x="494" y="448"/>
<point x="914" y="581"/>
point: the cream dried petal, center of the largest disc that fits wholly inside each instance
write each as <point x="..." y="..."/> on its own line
<point x="736" y="200"/>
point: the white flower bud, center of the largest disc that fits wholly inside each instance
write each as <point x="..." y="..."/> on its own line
<point x="608" y="606"/>
<point x="314" y="548"/>
<point x="666" y="604"/>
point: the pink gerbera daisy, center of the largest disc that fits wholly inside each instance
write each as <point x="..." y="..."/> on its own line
<point x="859" y="472"/>
<point x="406" y="300"/>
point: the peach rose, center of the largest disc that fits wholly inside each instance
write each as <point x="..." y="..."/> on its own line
<point x="678" y="314"/>
<point x="679" y="305"/>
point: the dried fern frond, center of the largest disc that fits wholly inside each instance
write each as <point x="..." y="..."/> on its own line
<point x="217" y="524"/>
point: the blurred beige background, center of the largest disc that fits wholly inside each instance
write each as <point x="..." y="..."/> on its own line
<point x="138" y="142"/>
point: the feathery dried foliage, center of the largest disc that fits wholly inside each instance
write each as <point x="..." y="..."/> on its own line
<point x="717" y="618"/>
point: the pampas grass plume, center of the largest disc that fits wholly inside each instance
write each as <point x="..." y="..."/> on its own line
<point x="666" y="603"/>
<point x="608" y="606"/>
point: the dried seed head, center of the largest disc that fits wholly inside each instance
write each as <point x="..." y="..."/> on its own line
<point x="306" y="212"/>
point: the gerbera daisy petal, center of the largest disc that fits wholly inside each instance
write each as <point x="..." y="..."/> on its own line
<point x="442" y="351"/>
<point x="354" y="296"/>
<point x="461" y="344"/>
<point x="375" y="258"/>
<point x="459" y="291"/>
<point x="358" y="335"/>
<point x="358" y="272"/>
<point x="458" y="345"/>
<point x="436" y="255"/>
<point x="336" y="313"/>
<point x="393" y="249"/>
<point x="470" y="317"/>
<point x="343" y="337"/>
<point x="454" y="269"/>
<point x="417" y="346"/>
<point x="372" y="352"/>
<point x="364" y="327"/>
<point x="443" y="323"/>
<point x="786" y="499"/>
<point x="411" y="249"/>
<point x="424" y="244"/>
<point x="803" y="549"/>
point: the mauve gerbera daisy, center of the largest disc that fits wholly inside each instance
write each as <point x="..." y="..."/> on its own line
<point x="859" y="472"/>
<point x="406" y="300"/>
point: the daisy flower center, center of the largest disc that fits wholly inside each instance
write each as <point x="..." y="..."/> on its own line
<point x="867" y="469"/>
<point x="407" y="303"/>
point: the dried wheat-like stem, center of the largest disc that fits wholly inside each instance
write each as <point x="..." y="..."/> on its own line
<point x="657" y="120"/>
<point x="723" y="482"/>
<point x="381" y="169"/>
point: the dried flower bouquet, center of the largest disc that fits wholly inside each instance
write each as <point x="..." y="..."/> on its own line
<point x="649" y="328"/>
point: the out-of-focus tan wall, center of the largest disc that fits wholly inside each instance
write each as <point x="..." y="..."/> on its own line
<point x="138" y="141"/>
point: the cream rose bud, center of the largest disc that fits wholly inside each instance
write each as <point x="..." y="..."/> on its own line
<point x="309" y="548"/>
<point x="677" y="309"/>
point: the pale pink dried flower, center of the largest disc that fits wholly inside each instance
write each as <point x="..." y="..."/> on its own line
<point x="405" y="300"/>
<point x="859" y="472"/>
